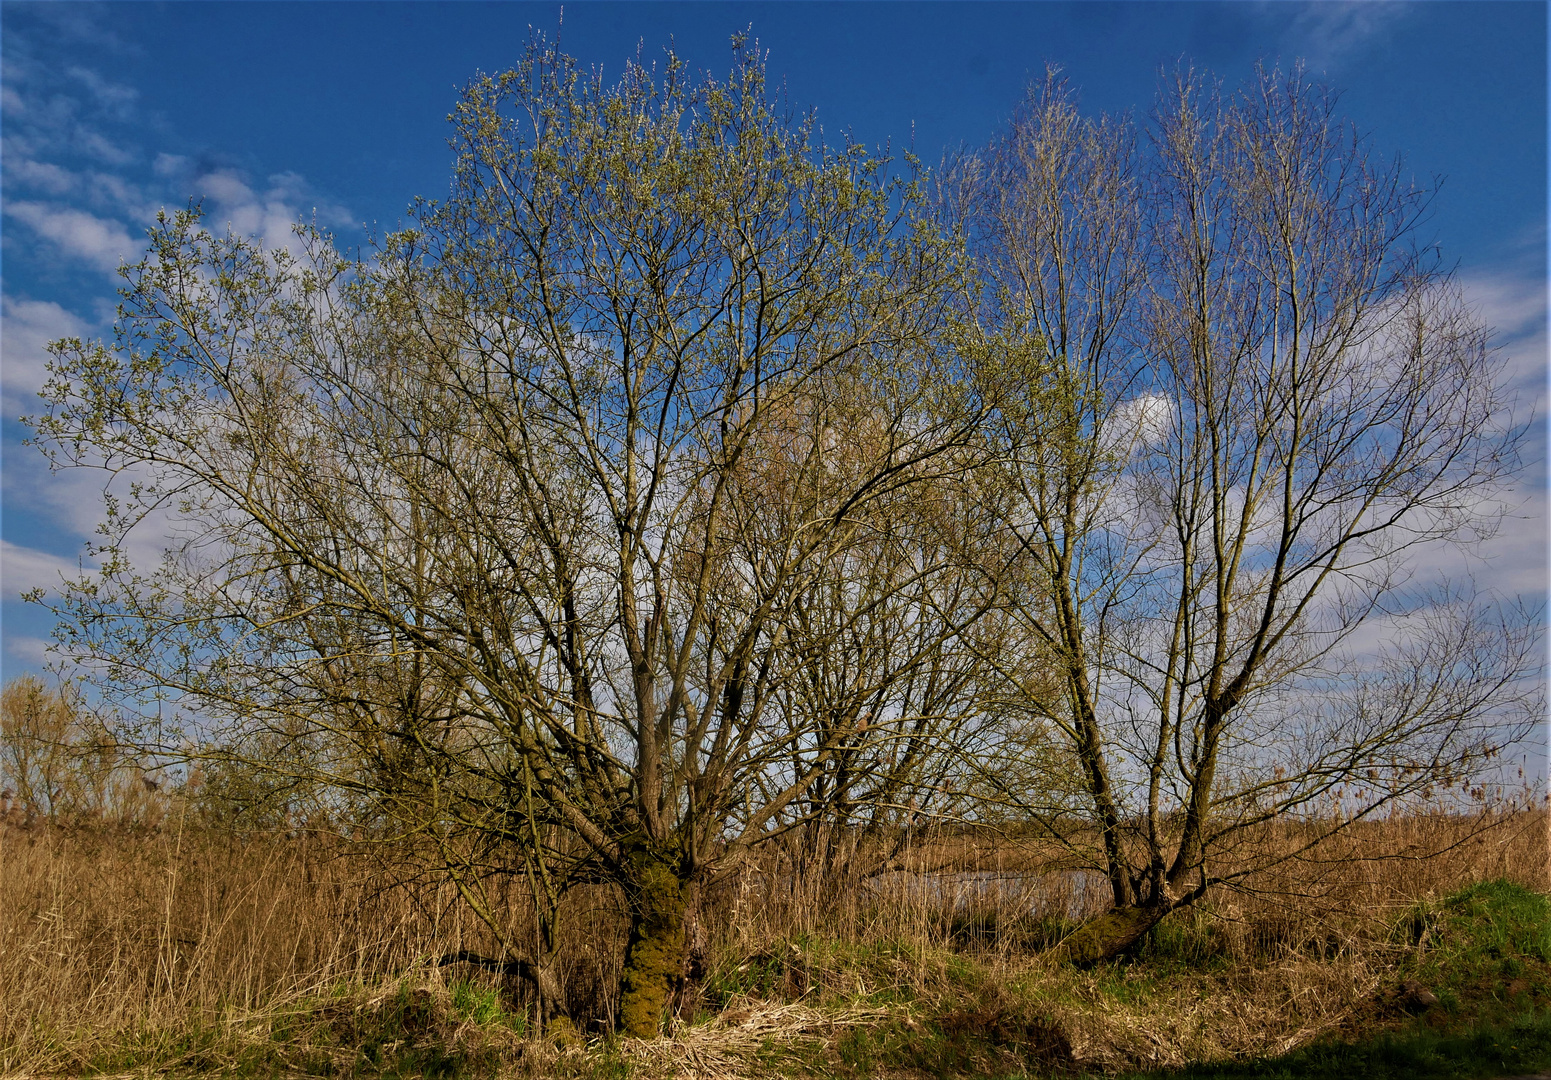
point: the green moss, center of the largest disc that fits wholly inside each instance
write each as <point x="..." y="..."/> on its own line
<point x="1109" y="934"/>
<point x="562" y="1032"/>
<point x="655" y="958"/>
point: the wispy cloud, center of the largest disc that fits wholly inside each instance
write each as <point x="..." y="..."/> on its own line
<point x="46" y="116"/>
<point x="1326" y="33"/>
<point x="82" y="174"/>
<point x="232" y="200"/>
<point x="110" y="95"/>
<point x="170" y="164"/>
<point x="32" y="651"/>
<point x="101" y="243"/>
<point x="81" y="24"/>
<point x="23" y="569"/>
<point x="39" y="175"/>
<point x="97" y="145"/>
<point x="1513" y="304"/>
<point x="26" y="328"/>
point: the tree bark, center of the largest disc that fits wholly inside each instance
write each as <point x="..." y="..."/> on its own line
<point x="1111" y="934"/>
<point x="654" y="960"/>
<point x="696" y="952"/>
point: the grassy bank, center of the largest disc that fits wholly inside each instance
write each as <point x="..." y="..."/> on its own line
<point x="194" y="954"/>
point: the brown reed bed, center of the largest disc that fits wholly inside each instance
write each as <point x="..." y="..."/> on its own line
<point x="184" y="948"/>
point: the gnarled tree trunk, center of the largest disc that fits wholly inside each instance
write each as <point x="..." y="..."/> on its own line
<point x="696" y="951"/>
<point x="654" y="959"/>
<point x="1112" y="933"/>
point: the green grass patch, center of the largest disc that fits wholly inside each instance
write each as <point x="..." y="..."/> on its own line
<point x="1521" y="1044"/>
<point x="482" y="1005"/>
<point x="1485" y="952"/>
<point x="345" y="1032"/>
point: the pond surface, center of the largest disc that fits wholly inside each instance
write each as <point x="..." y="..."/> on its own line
<point x="1074" y="894"/>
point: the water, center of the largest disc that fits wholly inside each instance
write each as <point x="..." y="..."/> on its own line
<point x="1074" y="894"/>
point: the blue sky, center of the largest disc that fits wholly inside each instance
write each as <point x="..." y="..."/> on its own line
<point x="272" y="111"/>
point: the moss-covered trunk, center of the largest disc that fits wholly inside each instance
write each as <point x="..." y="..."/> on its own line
<point x="1112" y="933"/>
<point x="654" y="959"/>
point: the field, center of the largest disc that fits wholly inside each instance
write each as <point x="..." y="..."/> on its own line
<point x="1422" y="947"/>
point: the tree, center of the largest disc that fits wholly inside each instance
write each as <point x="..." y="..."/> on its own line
<point x="41" y="733"/>
<point x="504" y="544"/>
<point x="60" y="763"/>
<point x="1254" y="405"/>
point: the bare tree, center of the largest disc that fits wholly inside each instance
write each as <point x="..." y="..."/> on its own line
<point x="40" y="730"/>
<point x="505" y="542"/>
<point x="60" y="763"/>
<point x="882" y="664"/>
<point x="1255" y="407"/>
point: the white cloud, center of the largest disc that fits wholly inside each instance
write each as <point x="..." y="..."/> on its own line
<point x="82" y="23"/>
<point x="114" y="191"/>
<point x="1325" y="33"/>
<point x="98" y="146"/>
<point x="70" y="501"/>
<point x="32" y="651"/>
<point x="288" y="185"/>
<point x="169" y="164"/>
<point x="1146" y="419"/>
<point x="23" y="569"/>
<point x="81" y="173"/>
<point x="269" y="216"/>
<point x="1514" y="305"/>
<point x="41" y="175"/>
<point x="114" y="96"/>
<point x="102" y="243"/>
<point x="26" y="328"/>
<point x="225" y="187"/>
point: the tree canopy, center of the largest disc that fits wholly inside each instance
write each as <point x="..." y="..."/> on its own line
<point x="680" y="481"/>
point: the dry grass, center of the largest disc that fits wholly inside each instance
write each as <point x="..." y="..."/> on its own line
<point x="107" y="935"/>
<point x="179" y="948"/>
<point x="725" y="1045"/>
